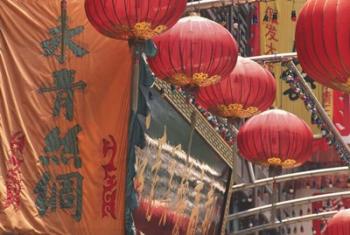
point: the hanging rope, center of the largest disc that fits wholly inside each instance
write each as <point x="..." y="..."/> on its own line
<point x="63" y="25"/>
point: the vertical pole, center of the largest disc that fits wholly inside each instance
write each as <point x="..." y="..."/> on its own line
<point x="63" y="26"/>
<point x="233" y="180"/>
<point x="136" y="55"/>
<point x="228" y="202"/>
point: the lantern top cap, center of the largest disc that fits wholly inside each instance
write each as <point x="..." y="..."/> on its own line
<point x="345" y="214"/>
<point x="194" y="18"/>
<point x="277" y="112"/>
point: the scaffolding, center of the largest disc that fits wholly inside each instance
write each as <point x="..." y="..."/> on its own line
<point x="288" y="59"/>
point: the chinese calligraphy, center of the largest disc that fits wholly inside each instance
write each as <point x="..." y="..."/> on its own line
<point x="68" y="146"/>
<point x="271" y="34"/>
<point x="13" y="175"/>
<point x="64" y="190"/>
<point x="64" y="87"/>
<point x="66" y="196"/>
<point x="110" y="179"/>
<point x="62" y="35"/>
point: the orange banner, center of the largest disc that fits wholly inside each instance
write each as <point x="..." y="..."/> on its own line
<point x="64" y="110"/>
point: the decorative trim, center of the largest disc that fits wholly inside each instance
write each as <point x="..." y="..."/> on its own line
<point x="178" y="101"/>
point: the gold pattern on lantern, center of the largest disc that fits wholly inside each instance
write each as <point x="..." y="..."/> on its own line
<point x="180" y="79"/>
<point x="276" y="161"/>
<point x="348" y="83"/>
<point x="143" y="30"/>
<point x="203" y="79"/>
<point x="236" y="110"/>
<point x="198" y="79"/>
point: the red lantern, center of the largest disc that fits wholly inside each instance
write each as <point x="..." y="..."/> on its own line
<point x="275" y="138"/>
<point x="339" y="224"/>
<point x="322" y="42"/>
<point x="196" y="51"/>
<point x="127" y="19"/>
<point x="248" y="90"/>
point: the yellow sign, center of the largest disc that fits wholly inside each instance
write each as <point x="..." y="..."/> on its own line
<point x="277" y="31"/>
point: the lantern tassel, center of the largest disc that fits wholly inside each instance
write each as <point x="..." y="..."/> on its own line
<point x="294" y="15"/>
<point x="266" y="18"/>
<point x="275" y="17"/>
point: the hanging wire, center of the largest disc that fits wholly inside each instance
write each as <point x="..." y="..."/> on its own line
<point x="294" y="12"/>
<point x="63" y="25"/>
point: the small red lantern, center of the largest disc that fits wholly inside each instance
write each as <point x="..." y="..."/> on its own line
<point x="248" y="90"/>
<point x="339" y="224"/>
<point x="275" y="138"/>
<point x="196" y="51"/>
<point x="322" y="42"/>
<point x="133" y="19"/>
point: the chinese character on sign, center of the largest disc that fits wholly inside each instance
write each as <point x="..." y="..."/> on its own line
<point x="110" y="179"/>
<point x="66" y="191"/>
<point x="270" y="48"/>
<point x="271" y="33"/>
<point x="62" y="37"/>
<point x="64" y="87"/>
<point x="66" y="148"/>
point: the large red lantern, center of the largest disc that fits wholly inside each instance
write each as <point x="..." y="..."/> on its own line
<point x="322" y="42"/>
<point x="248" y="90"/>
<point x="275" y="138"/>
<point x="196" y="51"/>
<point x="138" y="19"/>
<point x="339" y="224"/>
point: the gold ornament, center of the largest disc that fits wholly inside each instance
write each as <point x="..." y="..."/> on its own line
<point x="198" y="79"/>
<point x="236" y="110"/>
<point x="277" y="161"/>
<point x="143" y="30"/>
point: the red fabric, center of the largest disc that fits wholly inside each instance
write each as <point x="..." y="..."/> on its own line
<point x="275" y="133"/>
<point x="109" y="17"/>
<point x="255" y="32"/>
<point x="319" y="145"/>
<point x="339" y="224"/>
<point x="194" y="45"/>
<point x="249" y="84"/>
<point x="152" y="227"/>
<point x="341" y="112"/>
<point x="322" y="41"/>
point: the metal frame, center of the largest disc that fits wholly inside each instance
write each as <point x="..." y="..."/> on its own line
<point x="284" y="204"/>
<point x="204" y="129"/>
<point x="293" y="176"/>
<point x="322" y="215"/>
<point x="206" y="4"/>
<point x="288" y="58"/>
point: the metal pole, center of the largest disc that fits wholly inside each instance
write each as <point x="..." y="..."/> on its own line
<point x="205" y="4"/>
<point x="319" y="107"/>
<point x="284" y="204"/>
<point x="136" y="56"/>
<point x="275" y="58"/>
<point x="251" y="172"/>
<point x="293" y="176"/>
<point x="228" y="202"/>
<point x="323" y="215"/>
